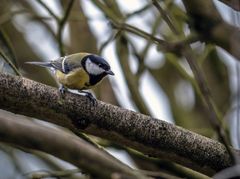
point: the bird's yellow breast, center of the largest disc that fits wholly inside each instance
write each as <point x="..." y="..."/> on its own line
<point x="76" y="79"/>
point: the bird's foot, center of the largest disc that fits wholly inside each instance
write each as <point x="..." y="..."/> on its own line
<point x="89" y="95"/>
<point x="62" y="89"/>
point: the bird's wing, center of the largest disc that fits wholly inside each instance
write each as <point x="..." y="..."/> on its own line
<point x="68" y="63"/>
<point x="57" y="64"/>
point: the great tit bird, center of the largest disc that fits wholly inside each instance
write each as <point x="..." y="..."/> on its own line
<point x="78" y="71"/>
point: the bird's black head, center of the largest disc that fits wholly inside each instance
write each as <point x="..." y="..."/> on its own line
<point x="96" y="65"/>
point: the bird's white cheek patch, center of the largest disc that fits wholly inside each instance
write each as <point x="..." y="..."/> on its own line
<point x="92" y="68"/>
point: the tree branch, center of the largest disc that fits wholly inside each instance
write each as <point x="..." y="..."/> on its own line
<point x="63" y="145"/>
<point x="234" y="4"/>
<point x="48" y="10"/>
<point x="61" y="24"/>
<point x="9" y="62"/>
<point x="151" y="136"/>
<point x="122" y="51"/>
<point x="212" y="28"/>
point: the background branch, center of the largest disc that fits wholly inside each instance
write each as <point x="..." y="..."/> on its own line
<point x="74" y="150"/>
<point x="212" y="28"/>
<point x="60" y="22"/>
<point x="234" y="4"/>
<point x="187" y="52"/>
<point x="48" y="10"/>
<point x="10" y="63"/>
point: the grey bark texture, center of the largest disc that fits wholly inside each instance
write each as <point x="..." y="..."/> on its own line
<point x="65" y="146"/>
<point x="152" y="137"/>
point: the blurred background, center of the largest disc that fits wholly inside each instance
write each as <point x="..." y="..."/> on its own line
<point x="146" y="79"/>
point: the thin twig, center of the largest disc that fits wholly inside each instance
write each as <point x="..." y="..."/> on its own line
<point x="9" y="49"/>
<point x="140" y="58"/>
<point x="10" y="63"/>
<point x="55" y="174"/>
<point x="139" y="32"/>
<point x="61" y="24"/>
<point x="158" y="174"/>
<point x="116" y="23"/>
<point x="67" y="12"/>
<point x="90" y="141"/>
<point x="143" y="54"/>
<point x="132" y="81"/>
<point x="139" y="11"/>
<point x="104" y="44"/>
<point x="49" y="10"/>
<point x="165" y="17"/>
<point x="60" y="21"/>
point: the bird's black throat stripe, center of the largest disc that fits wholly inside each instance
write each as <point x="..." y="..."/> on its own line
<point x="94" y="79"/>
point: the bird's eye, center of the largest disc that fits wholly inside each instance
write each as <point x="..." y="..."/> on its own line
<point x="100" y="65"/>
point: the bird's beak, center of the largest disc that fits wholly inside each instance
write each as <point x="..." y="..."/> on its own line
<point x="109" y="72"/>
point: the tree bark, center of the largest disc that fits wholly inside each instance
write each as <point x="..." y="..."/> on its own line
<point x="65" y="146"/>
<point x="153" y="137"/>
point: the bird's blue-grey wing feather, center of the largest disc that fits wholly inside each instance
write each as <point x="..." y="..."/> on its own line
<point x="65" y="64"/>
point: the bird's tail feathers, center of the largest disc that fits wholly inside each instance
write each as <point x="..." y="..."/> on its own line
<point x="42" y="64"/>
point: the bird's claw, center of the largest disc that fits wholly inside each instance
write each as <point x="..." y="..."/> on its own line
<point x="62" y="89"/>
<point x="90" y="96"/>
